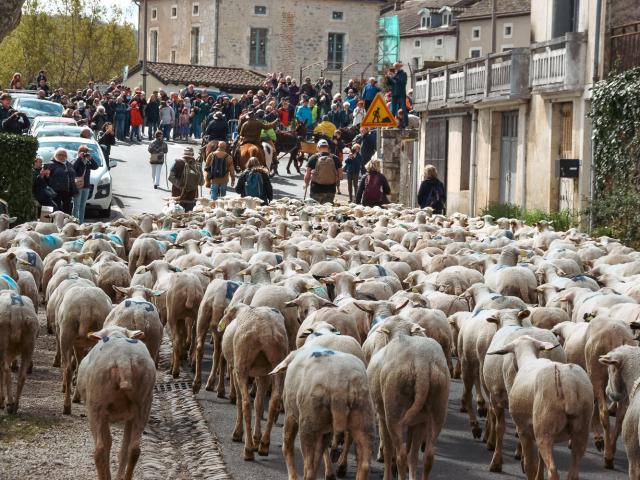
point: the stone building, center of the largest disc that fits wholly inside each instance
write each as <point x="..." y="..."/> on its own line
<point x="265" y="35"/>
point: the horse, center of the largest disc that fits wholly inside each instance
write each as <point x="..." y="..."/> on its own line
<point x="269" y="155"/>
<point x="288" y="142"/>
<point x="349" y="133"/>
<point x="249" y="150"/>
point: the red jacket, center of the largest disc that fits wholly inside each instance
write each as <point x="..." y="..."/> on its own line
<point x="136" y="116"/>
<point x="283" y="115"/>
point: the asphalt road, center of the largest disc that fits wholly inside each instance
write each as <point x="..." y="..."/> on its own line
<point x="458" y="455"/>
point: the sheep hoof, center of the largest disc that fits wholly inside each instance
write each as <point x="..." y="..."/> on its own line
<point x="209" y="388"/>
<point x="175" y="374"/>
<point x="12" y="408"/>
<point x="490" y="446"/>
<point x="341" y="472"/>
<point x="476" y="431"/>
<point x="463" y="409"/>
<point x="56" y="363"/>
<point x="330" y="477"/>
<point x="221" y="394"/>
<point x="49" y="330"/>
<point x="248" y="455"/>
<point x="263" y="451"/>
<point x="380" y="458"/>
<point x="66" y="410"/>
<point x="196" y="387"/>
<point x="517" y="455"/>
<point x="236" y="437"/>
<point x="334" y="454"/>
<point x="496" y="468"/>
<point x="599" y="443"/>
<point x="232" y="400"/>
<point x="482" y="411"/>
<point x="608" y="463"/>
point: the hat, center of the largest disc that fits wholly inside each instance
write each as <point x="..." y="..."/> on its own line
<point x="188" y="152"/>
<point x="217" y="115"/>
<point x="81" y="104"/>
<point x="346" y="150"/>
<point x="5" y="96"/>
<point x="322" y="143"/>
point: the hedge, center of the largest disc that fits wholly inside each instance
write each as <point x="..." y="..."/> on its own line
<point x="17" y="153"/>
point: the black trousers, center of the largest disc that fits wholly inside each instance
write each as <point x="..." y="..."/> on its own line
<point x="65" y="202"/>
<point x="352" y="184"/>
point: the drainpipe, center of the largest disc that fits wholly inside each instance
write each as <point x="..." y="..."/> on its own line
<point x="525" y="138"/>
<point x="473" y="172"/>
<point x="596" y="77"/>
<point x="144" y="48"/>
<point x="216" y="23"/>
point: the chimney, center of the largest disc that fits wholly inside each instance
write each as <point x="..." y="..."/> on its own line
<point x="397" y="5"/>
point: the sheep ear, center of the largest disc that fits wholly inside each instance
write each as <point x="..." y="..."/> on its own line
<point x="157" y="293"/>
<point x="384" y="331"/>
<point x="364" y="306"/>
<point x="292" y="303"/>
<point x="523" y="314"/>
<point x="634" y="325"/>
<point x="396" y="309"/>
<point x="95" y="336"/>
<point x="610" y="359"/>
<point x="359" y="280"/>
<point x="493" y="319"/>
<point x="327" y="280"/>
<point x="502" y="351"/>
<point x="120" y="289"/>
<point x="417" y="331"/>
<point x="546" y="346"/>
<point x="283" y="365"/>
<point x="137" y="334"/>
<point x="306" y="332"/>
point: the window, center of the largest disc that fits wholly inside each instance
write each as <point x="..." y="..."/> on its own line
<point x="423" y="22"/>
<point x="195" y="9"/>
<point x="439" y="41"/>
<point x="258" y="47"/>
<point x="415" y="62"/>
<point x="425" y="18"/>
<point x="417" y="44"/>
<point x="154" y="14"/>
<point x="260" y="10"/>
<point x="475" y="52"/>
<point x="195" y="45"/>
<point x="475" y="33"/>
<point x="565" y="17"/>
<point x="153" y="45"/>
<point x="446" y="19"/>
<point x="174" y="11"/>
<point x="508" y="30"/>
<point x="506" y="48"/>
<point x="335" y="52"/>
<point x="173" y="56"/>
<point x="337" y="16"/>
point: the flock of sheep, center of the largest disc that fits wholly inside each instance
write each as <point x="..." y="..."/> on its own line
<point x="344" y="318"/>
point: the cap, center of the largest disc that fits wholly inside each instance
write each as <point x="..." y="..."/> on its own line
<point x="322" y="143"/>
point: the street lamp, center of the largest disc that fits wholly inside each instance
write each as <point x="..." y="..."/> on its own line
<point x="344" y="70"/>
<point x="306" y="67"/>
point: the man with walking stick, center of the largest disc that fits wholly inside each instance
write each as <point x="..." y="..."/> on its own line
<point x="157" y="152"/>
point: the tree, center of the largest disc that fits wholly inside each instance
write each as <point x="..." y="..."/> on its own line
<point x="72" y="40"/>
<point x="10" y="12"/>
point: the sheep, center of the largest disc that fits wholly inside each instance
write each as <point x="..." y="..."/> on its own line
<point x="81" y="311"/>
<point x="409" y="362"/>
<point x="624" y="371"/>
<point x="259" y="345"/>
<point x="549" y="401"/>
<point x="136" y="312"/>
<point x="116" y="380"/>
<point x="18" y="332"/>
<point x="509" y="278"/>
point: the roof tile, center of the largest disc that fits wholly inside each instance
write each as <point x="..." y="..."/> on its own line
<point x="504" y="7"/>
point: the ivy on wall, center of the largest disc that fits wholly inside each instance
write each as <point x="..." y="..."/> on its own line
<point x="17" y="153"/>
<point x="615" y="113"/>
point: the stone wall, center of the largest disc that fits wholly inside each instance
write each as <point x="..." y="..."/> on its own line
<point x="398" y="147"/>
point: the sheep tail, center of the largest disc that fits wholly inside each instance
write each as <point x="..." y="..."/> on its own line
<point x="421" y="391"/>
<point x="122" y="374"/>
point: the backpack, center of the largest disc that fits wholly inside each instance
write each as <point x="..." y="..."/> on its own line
<point x="218" y="167"/>
<point x="191" y="178"/>
<point x="436" y="195"/>
<point x="372" y="194"/>
<point x="253" y="186"/>
<point x="325" y="171"/>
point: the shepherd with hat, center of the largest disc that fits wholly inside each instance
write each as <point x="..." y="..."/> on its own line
<point x="324" y="170"/>
<point x="186" y="178"/>
<point x="397" y="79"/>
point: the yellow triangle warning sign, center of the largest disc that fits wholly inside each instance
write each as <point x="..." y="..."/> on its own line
<point x="378" y="115"/>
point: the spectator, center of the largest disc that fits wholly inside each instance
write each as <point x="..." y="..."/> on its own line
<point x="157" y="150"/>
<point x="346" y="121"/>
<point x="16" y="82"/>
<point x="358" y="113"/>
<point x="197" y="116"/>
<point x="43" y="194"/>
<point x="282" y="91"/>
<point x="219" y="171"/>
<point x="184" y="124"/>
<point x="186" y="178"/>
<point x="217" y="128"/>
<point x="352" y="100"/>
<point x="255" y="182"/>
<point x="61" y="178"/>
<point x="107" y="139"/>
<point x="294" y="98"/>
<point x="398" y="83"/>
<point x="152" y="116"/>
<point x="350" y="86"/>
<point x="374" y="187"/>
<point x="11" y="121"/>
<point x="121" y="114"/>
<point x="314" y="111"/>
<point x="353" y="166"/>
<point x="166" y="119"/>
<point x="401" y="118"/>
<point x="99" y="119"/>
<point x="303" y="114"/>
<point x="368" y="142"/>
<point x="369" y="92"/>
<point x="283" y="113"/>
<point x="136" y="122"/>
<point x="83" y="165"/>
<point x="431" y="192"/>
<point x="307" y="88"/>
<point x="325" y="128"/>
<point x="323" y="173"/>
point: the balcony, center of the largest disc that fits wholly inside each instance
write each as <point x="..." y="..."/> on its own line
<point x="500" y="76"/>
<point x="624" y="47"/>
<point x="558" y="64"/>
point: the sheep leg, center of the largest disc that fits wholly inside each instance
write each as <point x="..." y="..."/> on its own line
<point x="529" y="460"/>
<point x="56" y="359"/>
<point x="134" y="447"/>
<point x="545" y="448"/>
<point x="66" y="384"/>
<point x="233" y="393"/>
<point x="78" y="355"/>
<point x="274" y="409"/>
<point x="397" y="439"/>
<point x="579" y="439"/>
<point x="237" y="431"/>
<point x="289" y="438"/>
<point x="201" y="335"/>
<point x="245" y="401"/>
<point x="102" y="440"/>
<point x="25" y="362"/>
<point x="482" y="403"/>
<point x="416" y="437"/>
<point x="191" y="339"/>
<point x="308" y="445"/>
<point x="344" y="456"/>
<point x="178" y="344"/>
<point x="124" y="449"/>
<point x="489" y="433"/>
<point x="221" y="369"/>
<point x="329" y="474"/>
<point x="5" y="384"/>
<point x="466" y="402"/>
<point x="363" y="452"/>
<point x="215" y="364"/>
<point x="498" y="436"/>
<point x="603" y="412"/>
<point x="258" y="406"/>
<point x="596" y="428"/>
<point x="620" y="414"/>
<point x="387" y="448"/>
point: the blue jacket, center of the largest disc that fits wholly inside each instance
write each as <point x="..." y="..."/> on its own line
<point x="369" y="92"/>
<point x="353" y="165"/>
<point x="303" y="115"/>
<point x="352" y="102"/>
<point x="399" y="84"/>
<point x="121" y="110"/>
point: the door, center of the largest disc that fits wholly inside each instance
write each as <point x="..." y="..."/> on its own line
<point x="436" y="147"/>
<point x="508" y="157"/>
<point x="568" y="186"/>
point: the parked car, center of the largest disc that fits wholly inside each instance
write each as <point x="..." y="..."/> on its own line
<point x="44" y="120"/>
<point x="60" y="130"/>
<point x="100" y="193"/>
<point x="34" y="107"/>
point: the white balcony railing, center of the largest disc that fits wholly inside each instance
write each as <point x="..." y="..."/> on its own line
<point x="437" y="88"/>
<point x="559" y="63"/>
<point x="548" y="66"/>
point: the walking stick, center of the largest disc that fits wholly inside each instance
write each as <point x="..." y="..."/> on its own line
<point x="306" y="187"/>
<point x="166" y="172"/>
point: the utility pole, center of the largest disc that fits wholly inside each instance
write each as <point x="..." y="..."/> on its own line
<point x="144" y="48"/>
<point x="494" y="11"/>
